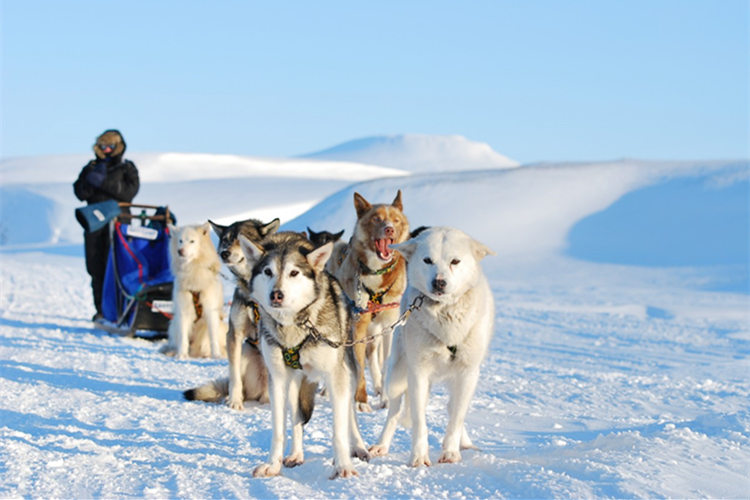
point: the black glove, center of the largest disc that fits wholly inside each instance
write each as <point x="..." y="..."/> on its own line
<point x="96" y="175"/>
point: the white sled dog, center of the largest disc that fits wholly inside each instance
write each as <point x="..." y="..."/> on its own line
<point x="305" y="322"/>
<point x="197" y="328"/>
<point x="445" y="337"/>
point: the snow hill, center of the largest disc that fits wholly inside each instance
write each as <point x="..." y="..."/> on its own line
<point x="418" y="153"/>
<point x="618" y="366"/>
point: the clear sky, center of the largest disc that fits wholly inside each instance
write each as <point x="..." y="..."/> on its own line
<point x="537" y="80"/>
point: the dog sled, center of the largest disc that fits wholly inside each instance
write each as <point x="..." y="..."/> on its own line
<point x="137" y="290"/>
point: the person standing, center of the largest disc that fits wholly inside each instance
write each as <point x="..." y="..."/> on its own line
<point x="107" y="177"/>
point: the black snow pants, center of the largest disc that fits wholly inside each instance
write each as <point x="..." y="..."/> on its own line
<point x="96" y="245"/>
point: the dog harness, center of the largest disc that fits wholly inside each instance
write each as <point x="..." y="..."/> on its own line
<point x="366" y="270"/>
<point x="255" y="319"/>
<point x="197" y="306"/>
<point x="452" y="349"/>
<point x="291" y="354"/>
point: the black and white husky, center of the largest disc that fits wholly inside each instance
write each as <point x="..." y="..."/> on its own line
<point x="305" y="324"/>
<point x="248" y="380"/>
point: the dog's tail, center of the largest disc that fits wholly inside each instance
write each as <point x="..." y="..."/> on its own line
<point x="212" y="392"/>
<point x="307" y="399"/>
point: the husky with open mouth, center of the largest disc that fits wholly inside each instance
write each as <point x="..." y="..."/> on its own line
<point x="373" y="275"/>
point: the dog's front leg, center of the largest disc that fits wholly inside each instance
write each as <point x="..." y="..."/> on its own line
<point x="461" y="391"/>
<point x="358" y="446"/>
<point x="277" y="388"/>
<point x="395" y="387"/>
<point x="418" y="393"/>
<point x="213" y="322"/>
<point x="341" y="402"/>
<point x="183" y="321"/>
<point x="297" y="456"/>
<point x="237" y="324"/>
<point x="360" y="354"/>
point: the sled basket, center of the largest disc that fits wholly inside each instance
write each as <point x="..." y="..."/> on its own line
<point x="137" y="291"/>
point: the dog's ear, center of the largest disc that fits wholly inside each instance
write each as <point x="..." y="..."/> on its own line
<point x="406" y="249"/>
<point x="270" y="228"/>
<point x="397" y="201"/>
<point x="205" y="227"/>
<point x="312" y="233"/>
<point x="337" y="236"/>
<point x="318" y="257"/>
<point x="252" y="252"/>
<point x="480" y="250"/>
<point x="360" y="204"/>
<point x="218" y="229"/>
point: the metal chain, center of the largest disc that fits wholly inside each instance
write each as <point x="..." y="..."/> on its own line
<point x="415" y="305"/>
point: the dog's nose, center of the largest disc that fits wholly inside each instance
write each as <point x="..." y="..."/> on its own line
<point x="389" y="232"/>
<point x="277" y="296"/>
<point x="225" y="254"/>
<point x="439" y="284"/>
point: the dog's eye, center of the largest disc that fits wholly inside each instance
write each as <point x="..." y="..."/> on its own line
<point x="427" y="260"/>
<point x="294" y="273"/>
<point x="455" y="262"/>
<point x="267" y="271"/>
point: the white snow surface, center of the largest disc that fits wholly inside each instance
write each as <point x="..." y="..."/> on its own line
<point x="619" y="365"/>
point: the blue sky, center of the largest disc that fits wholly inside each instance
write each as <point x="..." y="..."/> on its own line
<point x="537" y="80"/>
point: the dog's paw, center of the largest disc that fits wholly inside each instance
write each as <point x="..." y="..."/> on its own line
<point x="360" y="453"/>
<point x="294" y="460"/>
<point x="364" y="407"/>
<point x="382" y="404"/>
<point x="420" y="460"/>
<point x="378" y="450"/>
<point x="344" y="472"/>
<point x="267" y="470"/>
<point x="235" y="404"/>
<point x="450" y="457"/>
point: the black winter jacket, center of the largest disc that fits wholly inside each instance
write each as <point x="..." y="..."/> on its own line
<point x="121" y="182"/>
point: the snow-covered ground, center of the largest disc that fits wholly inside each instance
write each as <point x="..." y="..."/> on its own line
<point x="619" y="367"/>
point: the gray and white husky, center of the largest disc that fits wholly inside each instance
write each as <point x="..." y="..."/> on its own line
<point x="444" y="338"/>
<point x="305" y="324"/>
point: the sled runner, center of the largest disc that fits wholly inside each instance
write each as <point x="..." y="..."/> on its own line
<point x="137" y="292"/>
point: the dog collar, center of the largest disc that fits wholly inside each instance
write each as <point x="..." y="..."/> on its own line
<point x="366" y="270"/>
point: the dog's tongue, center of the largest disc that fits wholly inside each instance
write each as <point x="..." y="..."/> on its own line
<point x="381" y="247"/>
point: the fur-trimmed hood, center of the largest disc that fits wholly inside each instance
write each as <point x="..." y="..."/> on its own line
<point x="111" y="136"/>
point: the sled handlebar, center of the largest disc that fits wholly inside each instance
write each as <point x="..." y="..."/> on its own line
<point x="143" y="215"/>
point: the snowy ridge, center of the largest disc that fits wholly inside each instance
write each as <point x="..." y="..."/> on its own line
<point x="419" y="153"/>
